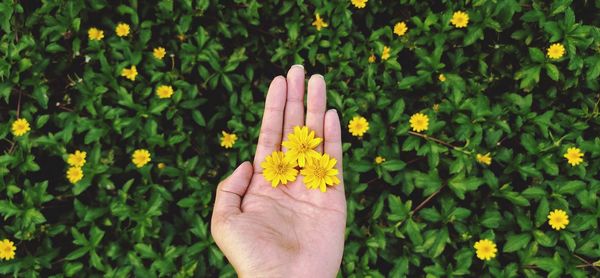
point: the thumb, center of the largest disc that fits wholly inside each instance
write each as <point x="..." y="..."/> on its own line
<point x="231" y="191"/>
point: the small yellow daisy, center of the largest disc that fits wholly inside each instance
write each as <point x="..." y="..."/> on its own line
<point x="556" y="51"/>
<point x="130" y="73"/>
<point x="574" y="156"/>
<point x="95" y="34"/>
<point x="379" y="159"/>
<point x="228" y="139"/>
<point x="400" y="28"/>
<point x="385" y="54"/>
<point x="359" y="3"/>
<point x="77" y="158"/>
<point x="319" y="23"/>
<point x="485" y="249"/>
<point x="441" y="77"/>
<point x="358" y="126"/>
<point x="320" y="172"/>
<point x="460" y="19"/>
<point x="372" y="58"/>
<point x="419" y="122"/>
<point x="74" y="174"/>
<point x="558" y="219"/>
<point x="484" y="158"/>
<point x="277" y="168"/>
<point x="164" y="91"/>
<point x="7" y="250"/>
<point x="159" y="52"/>
<point x="140" y="157"/>
<point x="301" y="145"/>
<point x="122" y="29"/>
<point x="20" y="127"/>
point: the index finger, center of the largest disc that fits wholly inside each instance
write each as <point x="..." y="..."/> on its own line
<point x="271" y="128"/>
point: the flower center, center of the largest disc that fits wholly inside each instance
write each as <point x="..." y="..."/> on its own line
<point x="320" y="172"/>
<point x="280" y="169"/>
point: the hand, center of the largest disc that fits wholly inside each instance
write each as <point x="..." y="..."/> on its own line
<point x="288" y="231"/>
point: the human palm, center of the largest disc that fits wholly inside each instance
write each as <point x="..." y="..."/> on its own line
<point x="288" y="230"/>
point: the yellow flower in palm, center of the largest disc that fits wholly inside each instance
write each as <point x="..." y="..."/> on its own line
<point x="558" y="219"/>
<point x="77" y="158"/>
<point x="485" y="249"/>
<point x="400" y="28"/>
<point x="278" y="168"/>
<point x="419" y="122"/>
<point x="460" y="19"/>
<point x="556" y="51"/>
<point x="385" y="54"/>
<point x="484" y="158"/>
<point x="228" y="139"/>
<point x="442" y="77"/>
<point x="140" y="157"/>
<point x="301" y="145"/>
<point x="358" y="126"/>
<point x="20" y="127"/>
<point x="129" y="73"/>
<point x="164" y="91"/>
<point x="574" y="156"/>
<point x="359" y="3"/>
<point x="159" y="53"/>
<point x="372" y="58"/>
<point x="319" y="23"/>
<point x="95" y="34"/>
<point x="74" y="174"/>
<point x="320" y="172"/>
<point x="122" y="29"/>
<point x="7" y="250"/>
<point x="379" y="159"/>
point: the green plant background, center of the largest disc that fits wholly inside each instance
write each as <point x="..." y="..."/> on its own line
<point x="419" y="213"/>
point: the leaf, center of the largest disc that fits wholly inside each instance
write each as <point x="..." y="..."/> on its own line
<point x="393" y="165"/>
<point x="552" y="71"/>
<point x="516" y="242"/>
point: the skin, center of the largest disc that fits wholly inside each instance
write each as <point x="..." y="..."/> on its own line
<point x="288" y="231"/>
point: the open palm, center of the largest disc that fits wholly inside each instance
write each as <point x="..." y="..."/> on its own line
<point x="289" y="230"/>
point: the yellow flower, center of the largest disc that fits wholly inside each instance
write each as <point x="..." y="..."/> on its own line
<point x="161" y="166"/>
<point x="20" y="127"/>
<point x="400" y="28"/>
<point x="74" y="174"/>
<point x="319" y="23"/>
<point x="129" y="73"/>
<point x="181" y="37"/>
<point x="372" y="58"/>
<point x="301" y="145"/>
<point x="164" y="91"/>
<point x="460" y="19"/>
<point x="574" y="156"/>
<point x="484" y="158"/>
<point x="556" y="51"/>
<point x="442" y="77"/>
<point x="359" y="3"/>
<point x="7" y="249"/>
<point x="436" y="107"/>
<point x="277" y="168"/>
<point x="320" y="172"/>
<point x="95" y="34"/>
<point x="140" y="157"/>
<point x="385" y="54"/>
<point x="228" y="139"/>
<point x="122" y="29"/>
<point x="485" y="249"/>
<point x="419" y="122"/>
<point x="77" y="158"/>
<point x="159" y="53"/>
<point x="358" y="126"/>
<point x="379" y="159"/>
<point x="558" y="219"/>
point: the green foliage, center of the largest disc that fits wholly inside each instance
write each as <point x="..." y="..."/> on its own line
<point x="418" y="213"/>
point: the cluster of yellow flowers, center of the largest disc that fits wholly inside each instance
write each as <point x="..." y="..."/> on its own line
<point x="76" y="161"/>
<point x="7" y="250"/>
<point x="317" y="169"/>
<point x="123" y="30"/>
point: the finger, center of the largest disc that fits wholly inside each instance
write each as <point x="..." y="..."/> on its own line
<point x="316" y="103"/>
<point x="333" y="144"/>
<point x="269" y="139"/>
<point x="230" y="193"/>
<point x="294" y="106"/>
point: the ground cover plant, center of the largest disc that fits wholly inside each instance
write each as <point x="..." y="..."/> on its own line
<point x="471" y="131"/>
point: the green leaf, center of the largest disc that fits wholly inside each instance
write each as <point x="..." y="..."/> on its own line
<point x="516" y="242"/>
<point x="393" y="165"/>
<point x="552" y="71"/>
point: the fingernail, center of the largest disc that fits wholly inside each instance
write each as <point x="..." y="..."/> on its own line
<point x="333" y="110"/>
<point x="298" y="65"/>
<point x="318" y="76"/>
